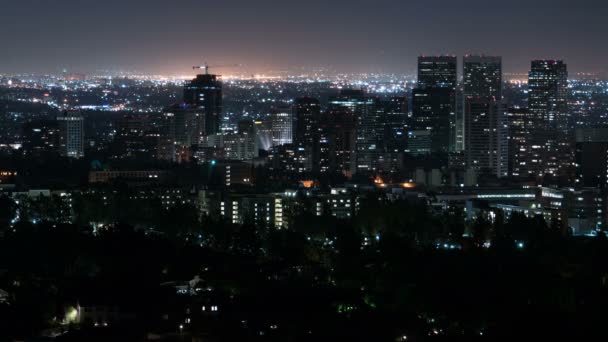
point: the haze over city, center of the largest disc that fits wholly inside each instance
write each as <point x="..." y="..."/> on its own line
<point x="167" y="37"/>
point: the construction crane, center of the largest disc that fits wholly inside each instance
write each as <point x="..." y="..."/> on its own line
<point x="206" y="67"/>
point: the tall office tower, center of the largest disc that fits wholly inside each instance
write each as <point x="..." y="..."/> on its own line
<point x="337" y="142"/>
<point x="281" y="126"/>
<point x="434" y="101"/>
<point x="482" y="77"/>
<point x="369" y="125"/>
<point x="205" y="92"/>
<point x="370" y="137"/>
<point x="433" y="110"/>
<point x="183" y="127"/>
<point x="592" y="157"/>
<point x="338" y="132"/>
<point x="71" y="137"/>
<point x="552" y="136"/>
<point x="486" y="136"/>
<point x="395" y="124"/>
<point x="306" y="115"/>
<point x="437" y="72"/>
<point x="521" y="124"/>
<point x="482" y="96"/>
<point x="306" y="112"/>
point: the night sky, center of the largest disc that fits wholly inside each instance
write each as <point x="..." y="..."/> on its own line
<point x="169" y="36"/>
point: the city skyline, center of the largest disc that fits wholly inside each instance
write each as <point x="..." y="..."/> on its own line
<point x="361" y="170"/>
<point x="365" y="36"/>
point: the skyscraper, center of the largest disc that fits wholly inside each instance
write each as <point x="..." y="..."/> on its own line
<point x="486" y="136"/>
<point x="520" y="125"/>
<point x="184" y="124"/>
<point x="345" y="129"/>
<point x="482" y="76"/>
<point x="71" y="136"/>
<point x="396" y="124"/>
<point x="183" y="127"/>
<point x="434" y="101"/>
<point x="306" y="112"/>
<point x="485" y="120"/>
<point x="437" y="72"/>
<point x="552" y="135"/>
<point x="338" y="142"/>
<point x="281" y="126"/>
<point x="205" y="93"/>
<point x="370" y="136"/>
<point x="368" y="123"/>
<point x="433" y="110"/>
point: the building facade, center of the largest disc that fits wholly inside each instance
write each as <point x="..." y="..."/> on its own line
<point x="71" y="136"/>
<point x="205" y="93"/>
<point x="552" y="135"/>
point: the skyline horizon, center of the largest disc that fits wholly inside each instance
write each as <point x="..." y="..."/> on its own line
<point x="156" y="36"/>
<point x="302" y="71"/>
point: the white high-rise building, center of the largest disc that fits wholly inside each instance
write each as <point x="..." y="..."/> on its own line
<point x="71" y="138"/>
<point x="281" y="126"/>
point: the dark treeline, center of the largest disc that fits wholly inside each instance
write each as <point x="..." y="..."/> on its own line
<point x="397" y="269"/>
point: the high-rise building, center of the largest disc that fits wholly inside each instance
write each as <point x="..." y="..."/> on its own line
<point x="182" y="127"/>
<point x="437" y="72"/>
<point x="434" y="101"/>
<point x="368" y="123"/>
<point x="71" y="137"/>
<point x="371" y="127"/>
<point x="486" y="136"/>
<point x="396" y="124"/>
<point x="342" y="138"/>
<point x="592" y="157"/>
<point x="205" y="93"/>
<point x="482" y="77"/>
<point x="485" y="120"/>
<point x="433" y="109"/>
<point x="281" y="126"/>
<point x="184" y="124"/>
<point x="552" y="135"/>
<point x="521" y="124"/>
<point x="306" y="149"/>
<point x="306" y="112"/>
<point x="338" y="136"/>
